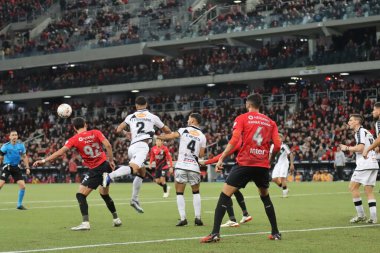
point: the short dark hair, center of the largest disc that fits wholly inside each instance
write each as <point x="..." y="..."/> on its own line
<point x="140" y="100"/>
<point x="358" y="117"/>
<point x="255" y="100"/>
<point x="377" y="105"/>
<point x="78" y="122"/>
<point x="197" y="117"/>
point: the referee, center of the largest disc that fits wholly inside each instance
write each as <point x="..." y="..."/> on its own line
<point x="12" y="152"/>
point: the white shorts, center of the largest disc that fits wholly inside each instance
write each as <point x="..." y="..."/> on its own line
<point x="187" y="176"/>
<point x="280" y="170"/>
<point x="365" y="177"/>
<point x="137" y="153"/>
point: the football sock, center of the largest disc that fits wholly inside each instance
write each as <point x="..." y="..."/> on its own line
<point x="372" y="208"/>
<point x="181" y="205"/>
<point x="240" y="199"/>
<point x="165" y="186"/>
<point x="82" y="200"/>
<point x="122" y="171"/>
<point x="231" y="213"/>
<point x="197" y="204"/>
<point x="284" y="187"/>
<point x="280" y="185"/>
<point x="359" y="206"/>
<point x="110" y="204"/>
<point x="21" y="194"/>
<point x="137" y="182"/>
<point x="269" y="209"/>
<point x="220" y="210"/>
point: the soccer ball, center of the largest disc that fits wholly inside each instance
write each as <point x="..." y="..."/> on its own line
<point x="64" y="111"/>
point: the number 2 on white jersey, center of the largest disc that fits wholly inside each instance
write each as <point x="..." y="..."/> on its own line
<point x="257" y="137"/>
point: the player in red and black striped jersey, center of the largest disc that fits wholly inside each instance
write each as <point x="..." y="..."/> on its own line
<point x="161" y="156"/>
<point x="257" y="132"/>
<point x="89" y="145"/>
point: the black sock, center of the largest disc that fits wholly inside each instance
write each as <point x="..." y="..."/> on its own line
<point x="231" y="213"/>
<point x="165" y="186"/>
<point x="110" y="204"/>
<point x="280" y="185"/>
<point x="269" y="209"/>
<point x="82" y="200"/>
<point x="220" y="211"/>
<point x="240" y="199"/>
<point x="284" y="187"/>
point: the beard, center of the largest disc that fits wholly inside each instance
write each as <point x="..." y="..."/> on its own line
<point x="375" y="117"/>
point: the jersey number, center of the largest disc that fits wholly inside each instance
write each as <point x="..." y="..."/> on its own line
<point x="191" y="146"/>
<point x="141" y="126"/>
<point x="257" y="137"/>
<point x="92" y="150"/>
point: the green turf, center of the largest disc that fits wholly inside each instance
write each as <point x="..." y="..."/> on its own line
<point x="53" y="210"/>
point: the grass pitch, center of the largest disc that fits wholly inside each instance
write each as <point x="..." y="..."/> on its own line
<point x="313" y="219"/>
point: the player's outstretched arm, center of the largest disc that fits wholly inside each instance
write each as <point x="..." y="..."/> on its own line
<point x="121" y="127"/>
<point x="166" y="129"/>
<point x="171" y="136"/>
<point x="52" y="157"/>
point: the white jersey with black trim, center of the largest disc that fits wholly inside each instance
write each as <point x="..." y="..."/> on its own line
<point x="191" y="141"/>
<point x="377" y="128"/>
<point x="141" y="124"/>
<point x="363" y="136"/>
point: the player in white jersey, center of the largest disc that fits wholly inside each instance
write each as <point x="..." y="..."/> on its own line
<point x="192" y="146"/>
<point x="366" y="169"/>
<point x="280" y="171"/>
<point x="141" y="124"/>
<point x="376" y="116"/>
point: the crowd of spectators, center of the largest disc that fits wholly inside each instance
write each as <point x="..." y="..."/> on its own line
<point x="106" y="25"/>
<point x="313" y="129"/>
<point x="22" y="10"/>
<point x="190" y="63"/>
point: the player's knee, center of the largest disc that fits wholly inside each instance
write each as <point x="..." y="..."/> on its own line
<point x="81" y="197"/>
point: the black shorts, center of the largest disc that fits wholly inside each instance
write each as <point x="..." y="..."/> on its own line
<point x="14" y="171"/>
<point x="161" y="173"/>
<point x="240" y="176"/>
<point x="94" y="177"/>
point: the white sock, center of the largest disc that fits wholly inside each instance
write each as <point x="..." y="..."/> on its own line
<point x="181" y="206"/>
<point x="359" y="206"/>
<point x="122" y="171"/>
<point x="197" y="205"/>
<point x="137" y="182"/>
<point x="372" y="209"/>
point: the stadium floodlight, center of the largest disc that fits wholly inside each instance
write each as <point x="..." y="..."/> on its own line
<point x="210" y="84"/>
<point x="46" y="102"/>
<point x="54" y="67"/>
<point x="344" y="74"/>
<point x="8" y="102"/>
<point x="291" y="83"/>
<point x="67" y="96"/>
<point x="135" y="91"/>
<point x="237" y="1"/>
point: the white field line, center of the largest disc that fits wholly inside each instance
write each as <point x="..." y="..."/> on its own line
<point x="183" y="239"/>
<point x="151" y="202"/>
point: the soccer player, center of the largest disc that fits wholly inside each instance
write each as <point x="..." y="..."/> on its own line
<point x="192" y="146"/>
<point x="161" y="155"/>
<point x="366" y="169"/>
<point x="256" y="131"/>
<point x="238" y="195"/>
<point x="376" y="116"/>
<point x="12" y="153"/>
<point x="89" y="145"/>
<point x="141" y="124"/>
<point x="280" y="171"/>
